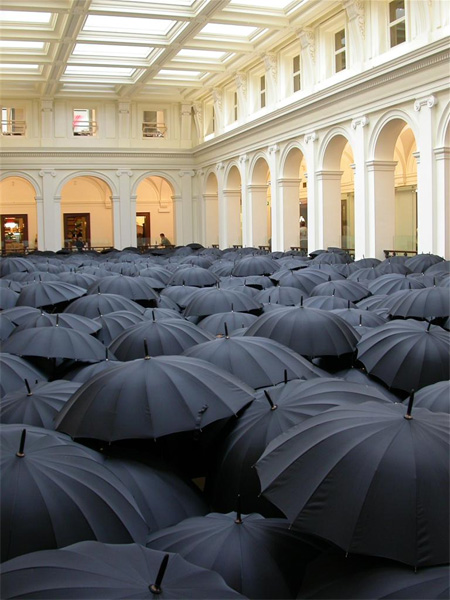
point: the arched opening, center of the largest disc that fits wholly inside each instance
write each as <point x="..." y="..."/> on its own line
<point x="231" y="221"/>
<point x="87" y="213"/>
<point x="155" y="212"/>
<point x="211" y="203"/>
<point x="18" y="211"/>
<point x="259" y="197"/>
<point x="294" y="201"/>
<point x="394" y="184"/>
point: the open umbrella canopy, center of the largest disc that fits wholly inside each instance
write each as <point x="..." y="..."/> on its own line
<point x="425" y="303"/>
<point x="8" y="298"/>
<point x="112" y="324"/>
<point x="260" y="558"/>
<point x="328" y="303"/>
<point x="48" y="293"/>
<point x="55" y="342"/>
<point x="362" y="578"/>
<point x="6" y="327"/>
<point x="133" y="288"/>
<point x="257" y="361"/>
<point x="14" y="371"/>
<point x="421" y="262"/>
<point x="19" y="314"/>
<point x="213" y="300"/>
<point x="356" y="316"/>
<point x="14" y="264"/>
<point x="43" y="319"/>
<point x="153" y="397"/>
<point x="254" y="265"/>
<point x="406" y="355"/>
<point x="110" y="571"/>
<point x="435" y="397"/>
<point x="94" y="305"/>
<point x="195" y="276"/>
<point x="280" y="294"/>
<point x="36" y="404"/>
<point x="155" y="338"/>
<point x="369" y="478"/>
<point x="164" y="498"/>
<point x="347" y="289"/>
<point x="55" y="492"/>
<point x="308" y="331"/>
<point x="273" y="412"/>
<point x="83" y="280"/>
<point x="15" y="286"/>
<point x="393" y="282"/>
<point x="215" y="324"/>
<point x="305" y="280"/>
<point x="83" y="372"/>
<point x="180" y="294"/>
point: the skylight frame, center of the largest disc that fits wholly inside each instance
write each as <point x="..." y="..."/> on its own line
<point x="114" y="20"/>
<point x="122" y="51"/>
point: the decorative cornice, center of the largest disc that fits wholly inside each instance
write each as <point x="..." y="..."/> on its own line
<point x="217" y="97"/>
<point x="220" y="166"/>
<point x="102" y="154"/>
<point x="429" y="101"/>
<point x="243" y="159"/>
<point x="360" y="122"/>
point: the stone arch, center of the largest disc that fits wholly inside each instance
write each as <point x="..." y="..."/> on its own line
<point x="19" y="207"/>
<point x="293" y="198"/>
<point x="231" y="209"/>
<point x="258" y="227"/>
<point x="156" y="196"/>
<point x="211" y="208"/>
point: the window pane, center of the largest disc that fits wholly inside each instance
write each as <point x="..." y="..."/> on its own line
<point x="84" y="121"/>
<point x="398" y="34"/>
<point x="339" y="40"/>
<point x="263" y="99"/>
<point x="396" y="10"/>
<point x="296" y="63"/>
<point x="340" y="62"/>
<point x="263" y="83"/>
<point x="296" y="82"/>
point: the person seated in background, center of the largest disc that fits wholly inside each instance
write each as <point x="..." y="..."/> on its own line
<point x="79" y="243"/>
<point x="164" y="241"/>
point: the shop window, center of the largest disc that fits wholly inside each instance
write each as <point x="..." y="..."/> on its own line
<point x="14" y="233"/>
<point x="83" y="122"/>
<point x="13" y="121"/>
<point x="339" y="51"/>
<point x="296" y="73"/>
<point x="397" y="22"/>
<point x="154" y="124"/>
<point x="77" y="227"/>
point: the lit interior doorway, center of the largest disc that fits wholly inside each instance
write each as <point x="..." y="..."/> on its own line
<point x="143" y="230"/>
<point x="14" y="233"/>
<point x="77" y="226"/>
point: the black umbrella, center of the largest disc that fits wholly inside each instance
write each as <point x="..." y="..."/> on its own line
<point x="157" y="272"/>
<point x="36" y="404"/>
<point x="94" y="305"/>
<point x="305" y="280"/>
<point x="195" y="276"/>
<point x="393" y="282"/>
<point x="355" y="317"/>
<point x="8" y="298"/>
<point x="373" y="479"/>
<point x="406" y="354"/>
<point x="215" y="324"/>
<point x="43" y="319"/>
<point x="83" y="280"/>
<point x="272" y="413"/>
<point x="15" y="286"/>
<point x="48" y="293"/>
<point x="133" y="288"/>
<point x="110" y="571"/>
<point x="161" y="338"/>
<point x="257" y="361"/>
<point x="83" y="372"/>
<point x="361" y="578"/>
<point x="19" y="314"/>
<point x="55" y="342"/>
<point x="421" y="262"/>
<point x="209" y="301"/>
<point x="328" y="303"/>
<point x="347" y="289"/>
<point x="163" y="497"/>
<point x="280" y="294"/>
<point x="308" y="331"/>
<point x="428" y="303"/>
<point x="180" y="294"/>
<point x="13" y="264"/>
<point x="393" y="266"/>
<point x="366" y="274"/>
<point x="360" y="376"/>
<point x="153" y="397"/>
<point x="7" y="327"/>
<point x="55" y="492"/>
<point x="435" y="397"/>
<point x="14" y="371"/>
<point x="254" y="265"/>
<point x="112" y="324"/>
<point x="258" y="557"/>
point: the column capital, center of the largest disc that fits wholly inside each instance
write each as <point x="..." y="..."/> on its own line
<point x="274" y="149"/>
<point x="329" y="175"/>
<point x="429" y="101"/>
<point x="417" y="157"/>
<point x="270" y="64"/>
<point x="121" y="172"/>
<point x="44" y="172"/>
<point x="124" y="108"/>
<point x="310" y="137"/>
<point x="243" y="159"/>
<point x="360" y="122"/>
<point x="307" y="41"/>
<point x="199" y="172"/>
<point x="220" y="166"/>
<point x="57" y="199"/>
<point x="355" y="10"/>
<point x="47" y="105"/>
<point x="186" y="173"/>
<point x="381" y="165"/>
<point x="186" y="110"/>
<point x="240" y="79"/>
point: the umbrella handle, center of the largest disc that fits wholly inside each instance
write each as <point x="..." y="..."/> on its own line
<point x="155" y="588"/>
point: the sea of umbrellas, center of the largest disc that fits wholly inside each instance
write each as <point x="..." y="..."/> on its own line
<point x="207" y="423"/>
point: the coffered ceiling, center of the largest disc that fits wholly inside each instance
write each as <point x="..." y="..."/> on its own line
<point x="135" y="49"/>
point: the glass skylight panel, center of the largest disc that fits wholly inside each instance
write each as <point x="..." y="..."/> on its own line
<point x="106" y="50"/>
<point x="181" y="74"/>
<point x="242" y="31"/>
<point x="21" y="66"/>
<point x="10" y="45"/>
<point x="18" y="16"/>
<point x="279" y="4"/>
<point x="128" y="24"/>
<point x="99" y="71"/>
<point x="191" y="53"/>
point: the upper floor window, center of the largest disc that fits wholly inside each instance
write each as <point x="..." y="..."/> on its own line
<point x="13" y="121"/>
<point x="296" y="73"/>
<point x="84" y="122"/>
<point x="397" y="22"/>
<point x="262" y="91"/>
<point x="339" y="51"/>
<point x="235" y="106"/>
<point x="153" y="124"/>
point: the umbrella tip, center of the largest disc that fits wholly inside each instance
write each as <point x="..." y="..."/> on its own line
<point x="270" y="401"/>
<point x="30" y="393"/>
<point x="155" y="588"/>
<point x="21" y="453"/>
<point x="238" y="519"/>
<point x="225" y="326"/>
<point x="408" y="415"/>
<point x="147" y="355"/>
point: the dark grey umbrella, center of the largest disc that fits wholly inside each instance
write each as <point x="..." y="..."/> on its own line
<point x="421" y="262"/>
<point x="155" y="338"/>
<point x="435" y="397"/>
<point x="260" y="558"/>
<point x="112" y="324"/>
<point x="133" y="288"/>
<point x="19" y="314"/>
<point x="305" y="280"/>
<point x="83" y="372"/>
<point x="272" y="413"/>
<point x="94" y="305"/>
<point x="355" y="317"/>
<point x="180" y="294"/>
<point x="215" y="324"/>
<point x="328" y="303"/>
<point x="257" y="361"/>
<point x="36" y="404"/>
<point x="308" y="331"/>
<point x="14" y="370"/>
<point x="110" y="571"/>
<point x="254" y="265"/>
<point x="70" y="321"/>
<point x="393" y="282"/>
<point x="347" y="289"/>
<point x="9" y="283"/>
<point x="373" y="479"/>
<point x="6" y="327"/>
<point x="428" y="303"/>
<point x="83" y="280"/>
<point x="8" y="298"/>
<point x="406" y="355"/>
<point x="209" y="301"/>
<point x="14" y="264"/>
<point x="360" y="376"/>
<point x="280" y="294"/>
<point x="153" y="397"/>
<point x="55" y="492"/>
<point x="195" y="276"/>
<point x="48" y="293"/>
<point x="393" y="266"/>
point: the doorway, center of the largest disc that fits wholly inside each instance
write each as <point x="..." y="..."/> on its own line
<point x="14" y="233"/>
<point x="76" y="224"/>
<point x="143" y="230"/>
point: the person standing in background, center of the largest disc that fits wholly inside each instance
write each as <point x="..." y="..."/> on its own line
<point x="164" y="241"/>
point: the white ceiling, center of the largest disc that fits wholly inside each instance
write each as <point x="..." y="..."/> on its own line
<point x="136" y="49"/>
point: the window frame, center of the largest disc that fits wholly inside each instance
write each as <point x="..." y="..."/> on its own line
<point x="342" y="51"/>
<point x="392" y="25"/>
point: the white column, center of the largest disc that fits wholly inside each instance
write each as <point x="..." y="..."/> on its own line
<point x="241" y="87"/>
<point x="329" y="194"/>
<point x="308" y="57"/>
<point x="133" y="230"/>
<point x="183" y="215"/>
<point x="124" y="121"/>
<point x="245" y="223"/>
<point x="356" y="30"/>
<point x="199" y="208"/>
<point x="362" y="222"/>
<point x="270" y="64"/>
<point x="442" y="239"/>
<point x="381" y="202"/>
<point x="47" y="131"/>
<point x="276" y="217"/>
<point x="186" y="121"/>
<point x="40" y="222"/>
<point x="218" y="110"/>
<point x="257" y="201"/>
<point x="314" y="219"/>
<point x="117" y="230"/>
<point x="51" y="225"/>
<point x="211" y="205"/>
<point x="427" y="200"/>
<point x="126" y="218"/>
<point x="289" y="213"/>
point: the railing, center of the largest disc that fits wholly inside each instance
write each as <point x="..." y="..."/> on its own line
<point x="150" y="129"/>
<point x="388" y="253"/>
<point x="13" y="127"/>
<point x="85" y="128"/>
